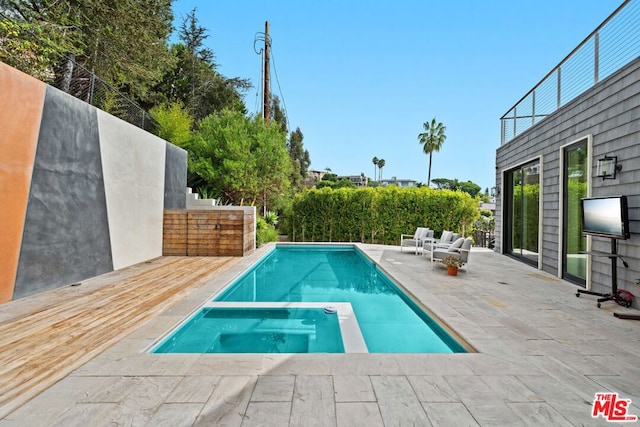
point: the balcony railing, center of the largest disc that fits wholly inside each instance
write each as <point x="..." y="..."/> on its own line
<point x="611" y="46"/>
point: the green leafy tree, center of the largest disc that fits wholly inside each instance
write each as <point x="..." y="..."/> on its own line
<point x="220" y="156"/>
<point x="32" y="42"/>
<point x="299" y="157"/>
<point x="344" y="183"/>
<point x="193" y="35"/>
<point x="443" y="183"/>
<point x="193" y="78"/>
<point x="469" y="187"/>
<point x="453" y="184"/>
<point x="278" y="114"/>
<point x="432" y="140"/>
<point x="123" y="42"/>
<point x="174" y="123"/>
<point x="273" y="165"/>
<point x="244" y="159"/>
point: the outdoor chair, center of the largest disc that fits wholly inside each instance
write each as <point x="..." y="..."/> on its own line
<point x="444" y="241"/>
<point x="414" y="241"/>
<point x="459" y="249"/>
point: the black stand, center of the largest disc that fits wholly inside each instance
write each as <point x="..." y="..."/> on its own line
<point x="613" y="296"/>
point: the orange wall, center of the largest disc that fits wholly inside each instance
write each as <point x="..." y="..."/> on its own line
<point x="20" y="113"/>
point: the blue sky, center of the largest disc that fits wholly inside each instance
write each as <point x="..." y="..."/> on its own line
<point x="361" y="77"/>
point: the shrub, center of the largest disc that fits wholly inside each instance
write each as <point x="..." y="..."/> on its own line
<point x="377" y="214"/>
<point x="271" y="218"/>
<point x="265" y="232"/>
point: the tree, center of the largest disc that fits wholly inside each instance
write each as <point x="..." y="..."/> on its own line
<point x="432" y="140"/>
<point x="174" y="123"/>
<point x="31" y="41"/>
<point x="273" y="165"/>
<point x="375" y="166"/>
<point x="193" y="79"/>
<point x="123" y="42"/>
<point x="242" y="158"/>
<point x="299" y="158"/>
<point x="193" y="36"/>
<point x="453" y="184"/>
<point x="469" y="187"/>
<point x="381" y="164"/>
<point x="278" y="114"/>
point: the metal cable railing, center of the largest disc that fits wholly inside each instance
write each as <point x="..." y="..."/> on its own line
<point x="611" y="46"/>
<point x="85" y="85"/>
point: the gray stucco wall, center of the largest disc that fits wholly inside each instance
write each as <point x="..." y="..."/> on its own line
<point x="175" y="178"/>
<point x="610" y="112"/>
<point x="84" y="191"/>
<point x="66" y="234"/>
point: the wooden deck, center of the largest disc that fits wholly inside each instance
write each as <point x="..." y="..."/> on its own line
<point x="45" y="337"/>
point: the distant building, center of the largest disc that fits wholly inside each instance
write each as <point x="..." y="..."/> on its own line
<point x="358" y="180"/>
<point x="398" y="182"/>
<point x="313" y="176"/>
<point x="488" y="206"/>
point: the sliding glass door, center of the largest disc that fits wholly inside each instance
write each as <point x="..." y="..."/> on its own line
<point x="522" y="212"/>
<point x="574" y="259"/>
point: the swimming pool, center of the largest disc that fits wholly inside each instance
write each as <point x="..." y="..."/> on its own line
<point x="335" y="281"/>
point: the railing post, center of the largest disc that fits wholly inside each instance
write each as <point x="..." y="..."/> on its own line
<point x="92" y="85"/>
<point x="596" y="58"/>
<point x="533" y="107"/>
<point x="559" y="88"/>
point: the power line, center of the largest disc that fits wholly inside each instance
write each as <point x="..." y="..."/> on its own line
<point x="284" y="104"/>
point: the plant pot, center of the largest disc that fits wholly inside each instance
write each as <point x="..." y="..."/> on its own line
<point x="452" y="271"/>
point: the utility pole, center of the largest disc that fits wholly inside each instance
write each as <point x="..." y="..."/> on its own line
<point x="266" y="102"/>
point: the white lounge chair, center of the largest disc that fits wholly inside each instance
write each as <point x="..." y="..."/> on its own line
<point x="446" y="239"/>
<point x="459" y="249"/>
<point x="414" y="241"/>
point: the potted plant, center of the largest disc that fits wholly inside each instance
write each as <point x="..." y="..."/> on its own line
<point x="453" y="263"/>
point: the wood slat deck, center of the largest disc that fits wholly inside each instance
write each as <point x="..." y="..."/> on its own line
<point x="45" y="337"/>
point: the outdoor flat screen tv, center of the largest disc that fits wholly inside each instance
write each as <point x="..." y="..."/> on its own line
<point x="605" y="216"/>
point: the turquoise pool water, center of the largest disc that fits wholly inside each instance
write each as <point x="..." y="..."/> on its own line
<point x="257" y="330"/>
<point x="388" y="320"/>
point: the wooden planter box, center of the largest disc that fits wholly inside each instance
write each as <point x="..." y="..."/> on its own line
<point x="221" y="231"/>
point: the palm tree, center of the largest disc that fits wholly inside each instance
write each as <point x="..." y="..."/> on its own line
<point x="381" y="163"/>
<point x="375" y="165"/>
<point x="432" y="140"/>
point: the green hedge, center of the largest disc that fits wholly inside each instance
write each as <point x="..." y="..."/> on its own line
<point x="377" y="215"/>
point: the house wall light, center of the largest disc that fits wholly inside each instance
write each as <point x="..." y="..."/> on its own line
<point x="608" y="167"/>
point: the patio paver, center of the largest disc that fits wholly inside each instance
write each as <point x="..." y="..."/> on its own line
<point x="542" y="356"/>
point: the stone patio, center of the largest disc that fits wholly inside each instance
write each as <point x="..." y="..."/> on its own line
<point x="542" y="354"/>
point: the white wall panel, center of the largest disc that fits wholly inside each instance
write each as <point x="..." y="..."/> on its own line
<point x="133" y="163"/>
